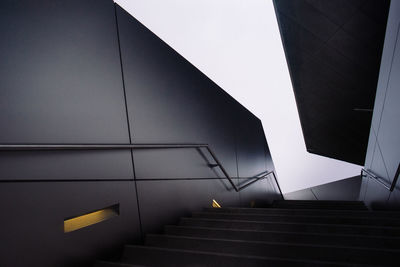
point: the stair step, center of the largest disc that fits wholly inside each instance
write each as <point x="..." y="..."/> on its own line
<point x="299" y="218"/>
<point x="318" y="207"/>
<point x="320" y="204"/>
<point x="306" y="212"/>
<point x="291" y="227"/>
<point x="154" y="256"/>
<point x="291" y="233"/>
<point x="276" y="250"/>
<point x="114" y="264"/>
<point x="286" y="237"/>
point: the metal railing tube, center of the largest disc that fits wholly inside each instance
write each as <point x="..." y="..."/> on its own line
<point x="222" y="168"/>
<point x="47" y="147"/>
<point x="380" y="180"/>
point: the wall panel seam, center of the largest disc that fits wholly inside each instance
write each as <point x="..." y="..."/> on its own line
<point x="127" y="117"/>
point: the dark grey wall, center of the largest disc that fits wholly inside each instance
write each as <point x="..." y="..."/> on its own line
<point x="69" y="75"/>
<point x="170" y="101"/>
<point x="60" y="73"/>
<point x="61" y="82"/>
<point x="32" y="222"/>
<point x="333" y="51"/>
<point x="253" y="157"/>
<point x="383" y="154"/>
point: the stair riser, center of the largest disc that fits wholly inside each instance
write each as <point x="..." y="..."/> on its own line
<point x="320" y="202"/>
<point x="300" y="219"/>
<point x="297" y="238"/>
<point x="335" y="205"/>
<point x="302" y="228"/>
<point x="305" y="212"/>
<point x="148" y="256"/>
<point x="115" y="264"/>
<point x="319" y="207"/>
<point x="332" y="254"/>
<point x="294" y="233"/>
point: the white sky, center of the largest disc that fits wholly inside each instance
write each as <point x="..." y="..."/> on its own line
<point x="237" y="44"/>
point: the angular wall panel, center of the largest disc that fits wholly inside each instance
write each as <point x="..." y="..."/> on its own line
<point x="32" y="222"/>
<point x="251" y="150"/>
<point x="253" y="158"/>
<point x="388" y="137"/>
<point x="62" y="83"/>
<point x="66" y="165"/>
<point x="170" y="101"/>
<point x="383" y="155"/>
<point x="60" y="74"/>
<point x="333" y="50"/>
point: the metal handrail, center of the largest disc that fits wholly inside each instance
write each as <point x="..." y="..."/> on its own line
<point x="261" y="176"/>
<point x="46" y="147"/>
<point x="380" y="179"/>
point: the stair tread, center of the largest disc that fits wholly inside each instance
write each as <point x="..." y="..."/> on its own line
<point x="346" y="202"/>
<point x="318" y="204"/>
<point x="274" y="249"/>
<point x="294" y="223"/>
<point x="292" y="226"/>
<point x="273" y="243"/>
<point x="321" y="237"/>
<point x="295" y="216"/>
<point x="216" y="259"/>
<point x="300" y="218"/>
<point x="318" y="207"/>
<point x="363" y="216"/>
<point x="115" y="264"/>
<point x="302" y="211"/>
<point x="290" y="233"/>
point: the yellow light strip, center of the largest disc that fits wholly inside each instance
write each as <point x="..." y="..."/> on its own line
<point x="215" y="204"/>
<point x="91" y="218"/>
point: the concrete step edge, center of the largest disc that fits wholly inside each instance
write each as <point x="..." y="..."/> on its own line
<point x="199" y="213"/>
<point x="350" y="202"/>
<point x="292" y="223"/>
<point x="311" y="246"/>
<point x="116" y="264"/>
<point x="283" y="232"/>
<point x="323" y="263"/>
<point x="267" y="210"/>
<point x="324" y="208"/>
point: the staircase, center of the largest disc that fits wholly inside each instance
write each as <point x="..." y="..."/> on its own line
<point x="289" y="233"/>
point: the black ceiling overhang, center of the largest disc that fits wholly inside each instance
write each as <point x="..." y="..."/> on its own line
<point x="333" y="50"/>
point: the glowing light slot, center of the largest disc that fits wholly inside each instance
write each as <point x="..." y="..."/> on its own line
<point x="76" y="223"/>
<point x="215" y="204"/>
